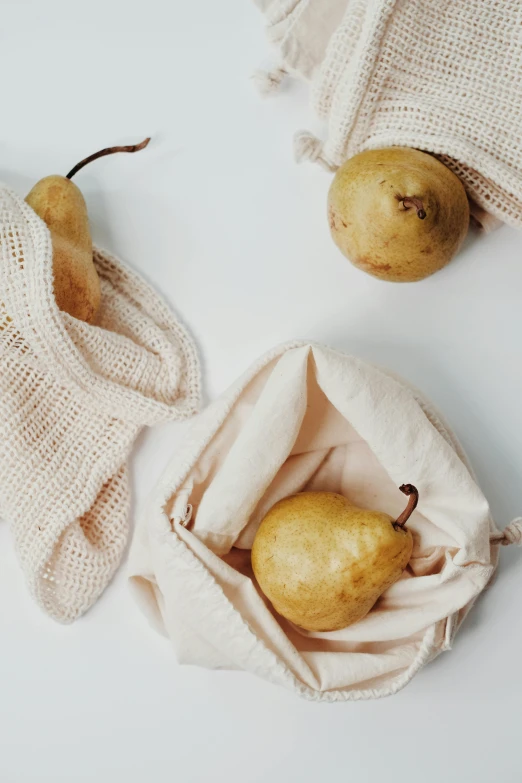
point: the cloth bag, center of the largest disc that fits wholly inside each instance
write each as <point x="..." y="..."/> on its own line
<point x="306" y="417"/>
<point x="73" y="397"/>
<point x="438" y="75"/>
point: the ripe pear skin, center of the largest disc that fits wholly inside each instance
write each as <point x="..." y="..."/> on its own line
<point x="397" y="213"/>
<point x="323" y="562"/>
<point x="60" y="204"/>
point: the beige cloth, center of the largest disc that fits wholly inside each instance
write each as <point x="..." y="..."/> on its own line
<point x="72" y="400"/>
<point x="438" y="75"/>
<point x="306" y="417"/>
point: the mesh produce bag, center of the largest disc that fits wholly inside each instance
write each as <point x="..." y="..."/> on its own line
<point x="73" y="397"/>
<point x="437" y="75"/>
<point x="309" y="418"/>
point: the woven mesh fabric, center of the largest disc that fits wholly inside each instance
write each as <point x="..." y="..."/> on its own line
<point x="437" y="75"/>
<point x="73" y="397"/>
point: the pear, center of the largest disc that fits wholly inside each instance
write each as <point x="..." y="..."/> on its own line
<point x="62" y="207"/>
<point x="60" y="204"/>
<point x="323" y="562"/>
<point x="397" y="213"/>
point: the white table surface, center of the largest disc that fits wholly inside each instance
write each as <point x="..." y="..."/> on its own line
<point x="219" y="217"/>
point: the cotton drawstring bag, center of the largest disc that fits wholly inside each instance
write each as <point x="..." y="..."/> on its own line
<point x="437" y="75"/>
<point x="305" y="417"/>
<point x="73" y="397"/>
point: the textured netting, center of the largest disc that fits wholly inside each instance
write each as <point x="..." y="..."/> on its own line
<point x="437" y="75"/>
<point x="73" y="397"/>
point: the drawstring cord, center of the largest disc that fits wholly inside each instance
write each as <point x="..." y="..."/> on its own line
<point x="268" y="82"/>
<point x="512" y="534"/>
<point x="309" y="147"/>
<point x="185" y="519"/>
<point x="306" y="145"/>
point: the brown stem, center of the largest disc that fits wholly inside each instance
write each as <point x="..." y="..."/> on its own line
<point x="106" y="151"/>
<point x="416" y="203"/>
<point x="413" y="499"/>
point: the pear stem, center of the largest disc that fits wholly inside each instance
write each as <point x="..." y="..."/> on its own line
<point x="416" y="203"/>
<point x="106" y="151"/>
<point x="413" y="499"/>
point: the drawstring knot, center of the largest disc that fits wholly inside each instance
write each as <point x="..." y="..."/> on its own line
<point x="512" y="534"/>
<point x="309" y="147"/>
<point x="268" y="82"/>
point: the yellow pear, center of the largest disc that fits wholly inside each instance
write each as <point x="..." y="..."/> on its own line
<point x="397" y="213"/>
<point x="60" y="204"/>
<point x="62" y="207"/>
<point x="323" y="562"/>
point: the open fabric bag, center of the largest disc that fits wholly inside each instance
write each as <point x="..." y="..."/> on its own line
<point x="438" y="75"/>
<point x="73" y="397"/>
<point x="306" y="417"/>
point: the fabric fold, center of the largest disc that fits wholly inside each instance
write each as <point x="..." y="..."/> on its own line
<point x="305" y="417"/>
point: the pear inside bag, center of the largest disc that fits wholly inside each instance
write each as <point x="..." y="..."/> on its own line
<point x="315" y="419"/>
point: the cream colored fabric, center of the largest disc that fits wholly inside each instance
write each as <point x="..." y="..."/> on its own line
<point x="306" y="417"/>
<point x="72" y="400"/>
<point x="439" y="75"/>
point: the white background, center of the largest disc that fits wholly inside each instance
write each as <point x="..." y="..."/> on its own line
<point x="218" y="216"/>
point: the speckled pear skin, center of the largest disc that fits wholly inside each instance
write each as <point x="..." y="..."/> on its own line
<point x="371" y="226"/>
<point x="60" y="204"/>
<point x="323" y="562"/>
